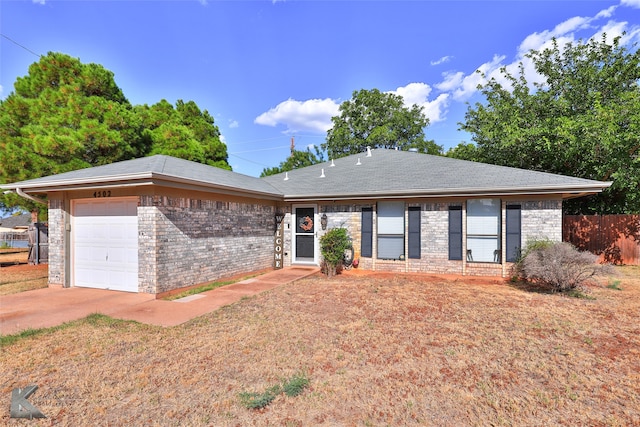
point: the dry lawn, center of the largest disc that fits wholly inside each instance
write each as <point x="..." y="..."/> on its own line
<point x="378" y="350"/>
<point x="17" y="276"/>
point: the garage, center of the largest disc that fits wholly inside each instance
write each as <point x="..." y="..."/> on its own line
<point x="105" y="243"/>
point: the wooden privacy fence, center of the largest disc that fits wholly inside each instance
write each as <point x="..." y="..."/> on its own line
<point x="38" y="243"/>
<point x="616" y="238"/>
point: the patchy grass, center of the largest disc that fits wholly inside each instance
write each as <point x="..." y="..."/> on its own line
<point x="375" y="349"/>
<point x="207" y="287"/>
<point x="199" y="289"/>
<point x="93" y="319"/>
<point x="615" y="285"/>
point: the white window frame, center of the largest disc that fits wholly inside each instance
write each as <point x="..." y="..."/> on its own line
<point x="484" y="217"/>
<point x="390" y="230"/>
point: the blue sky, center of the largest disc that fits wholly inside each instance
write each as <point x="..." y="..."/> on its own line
<point x="271" y="70"/>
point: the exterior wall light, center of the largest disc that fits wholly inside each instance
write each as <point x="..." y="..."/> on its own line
<point x="323" y="221"/>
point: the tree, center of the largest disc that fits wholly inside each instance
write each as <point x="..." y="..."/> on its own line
<point x="377" y="120"/>
<point x="583" y="120"/>
<point x="464" y="151"/>
<point x="298" y="159"/>
<point x="185" y="132"/>
<point x="65" y="115"/>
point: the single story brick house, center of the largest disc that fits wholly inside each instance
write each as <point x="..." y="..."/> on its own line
<point x="159" y="223"/>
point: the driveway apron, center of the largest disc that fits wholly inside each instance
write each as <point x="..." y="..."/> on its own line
<point x="53" y="306"/>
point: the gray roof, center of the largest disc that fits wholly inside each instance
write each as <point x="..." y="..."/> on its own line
<point x="391" y="173"/>
<point x="381" y="173"/>
<point x="159" y="170"/>
<point x="14" y="221"/>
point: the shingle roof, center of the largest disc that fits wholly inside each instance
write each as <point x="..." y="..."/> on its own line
<point x="383" y="173"/>
<point x="21" y="220"/>
<point x="388" y="173"/>
<point x="159" y="169"/>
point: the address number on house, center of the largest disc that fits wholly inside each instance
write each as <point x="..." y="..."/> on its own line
<point x="104" y="193"/>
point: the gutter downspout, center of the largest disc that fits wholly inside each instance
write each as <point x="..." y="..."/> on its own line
<point x="30" y="197"/>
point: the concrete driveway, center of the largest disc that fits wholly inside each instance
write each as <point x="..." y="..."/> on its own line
<point x="53" y="306"/>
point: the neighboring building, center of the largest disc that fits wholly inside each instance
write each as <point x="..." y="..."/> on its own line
<point x="13" y="230"/>
<point x="158" y="223"/>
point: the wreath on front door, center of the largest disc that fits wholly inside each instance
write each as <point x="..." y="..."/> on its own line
<point x="306" y="223"/>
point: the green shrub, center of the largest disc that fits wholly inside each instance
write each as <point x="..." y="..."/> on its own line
<point x="558" y="266"/>
<point x="332" y="247"/>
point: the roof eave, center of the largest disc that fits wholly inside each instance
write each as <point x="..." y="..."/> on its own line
<point x="565" y="192"/>
<point x="137" y="180"/>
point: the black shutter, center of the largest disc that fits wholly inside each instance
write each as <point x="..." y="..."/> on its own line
<point x="513" y="232"/>
<point x="366" y="249"/>
<point x="414" y="232"/>
<point x="455" y="232"/>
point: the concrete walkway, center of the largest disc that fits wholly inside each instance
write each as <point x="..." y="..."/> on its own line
<point x="53" y="306"/>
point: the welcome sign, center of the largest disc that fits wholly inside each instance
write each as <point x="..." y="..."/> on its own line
<point x="278" y="242"/>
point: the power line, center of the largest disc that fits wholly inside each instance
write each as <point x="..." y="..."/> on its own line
<point x="247" y="160"/>
<point x="19" y="45"/>
<point x="276" y="137"/>
<point x="259" y="149"/>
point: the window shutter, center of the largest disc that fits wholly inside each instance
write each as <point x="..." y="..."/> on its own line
<point x="455" y="232"/>
<point x="514" y="234"/>
<point x="414" y="232"/>
<point x="366" y="249"/>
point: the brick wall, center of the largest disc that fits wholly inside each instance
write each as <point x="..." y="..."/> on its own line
<point x="540" y="219"/>
<point x="56" y="242"/>
<point x="197" y="241"/>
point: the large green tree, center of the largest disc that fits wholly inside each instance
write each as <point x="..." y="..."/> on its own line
<point x="378" y="120"/>
<point x="582" y="120"/>
<point x="297" y="159"/>
<point x="184" y="131"/>
<point x="66" y="115"/>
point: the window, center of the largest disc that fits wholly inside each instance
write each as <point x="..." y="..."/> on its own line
<point x="414" y="232"/>
<point x="391" y="230"/>
<point x="366" y="238"/>
<point x="455" y="232"/>
<point x="514" y="238"/>
<point x="483" y="230"/>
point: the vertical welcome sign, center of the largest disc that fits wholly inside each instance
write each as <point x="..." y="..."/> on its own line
<point x="278" y="242"/>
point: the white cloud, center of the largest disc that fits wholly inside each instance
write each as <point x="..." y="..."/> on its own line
<point x="451" y="81"/>
<point x="436" y="110"/>
<point x="313" y="115"/>
<point x="538" y="41"/>
<point x="38" y="1"/>
<point x="606" y="13"/>
<point x="612" y="29"/>
<point x="468" y="85"/>
<point x="418" y="94"/>
<point x="442" y="60"/>
<point x="233" y="124"/>
<point x="461" y="87"/>
<point x="631" y="3"/>
<point x="414" y="93"/>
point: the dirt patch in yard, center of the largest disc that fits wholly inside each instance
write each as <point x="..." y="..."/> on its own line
<point x="16" y="275"/>
<point x="378" y="350"/>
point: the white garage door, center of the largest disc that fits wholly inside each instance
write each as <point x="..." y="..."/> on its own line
<point x="105" y="244"/>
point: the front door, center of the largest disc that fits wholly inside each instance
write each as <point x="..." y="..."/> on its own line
<point x="304" y="234"/>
